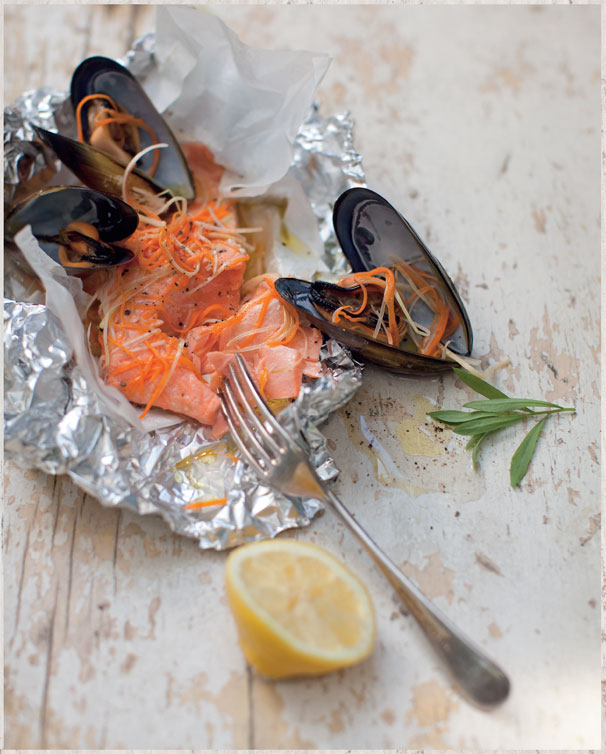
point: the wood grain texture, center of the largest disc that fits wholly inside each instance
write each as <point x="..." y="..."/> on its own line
<point x="483" y="126"/>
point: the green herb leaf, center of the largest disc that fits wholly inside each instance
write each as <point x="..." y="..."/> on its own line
<point x="523" y="455"/>
<point x="488" y="424"/>
<point x="478" y="384"/>
<point x="509" y="404"/>
<point x="495" y="413"/>
<point x="457" y="417"/>
<point x="473" y="440"/>
<point x="476" y="447"/>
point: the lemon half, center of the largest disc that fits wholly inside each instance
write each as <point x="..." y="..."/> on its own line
<point x="298" y="609"/>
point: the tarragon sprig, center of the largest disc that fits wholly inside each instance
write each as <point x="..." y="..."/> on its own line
<point x="496" y="412"/>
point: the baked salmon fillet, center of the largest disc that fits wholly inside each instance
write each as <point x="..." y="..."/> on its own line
<point x="172" y="319"/>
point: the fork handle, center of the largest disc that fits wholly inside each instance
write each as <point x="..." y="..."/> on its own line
<point x="480" y="680"/>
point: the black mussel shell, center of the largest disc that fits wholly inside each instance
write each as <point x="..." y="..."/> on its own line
<point x="50" y="211"/>
<point x="94" y="168"/>
<point x="300" y="294"/>
<point x="99" y="75"/>
<point x="374" y="234"/>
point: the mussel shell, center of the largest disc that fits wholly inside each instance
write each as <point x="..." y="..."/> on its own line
<point x="299" y="294"/>
<point x="97" y="253"/>
<point x="373" y="234"/>
<point x="330" y="296"/>
<point x="94" y="168"/>
<point x="50" y="210"/>
<point x="99" y="75"/>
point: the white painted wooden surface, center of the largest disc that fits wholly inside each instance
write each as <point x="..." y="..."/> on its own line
<point x="483" y="126"/>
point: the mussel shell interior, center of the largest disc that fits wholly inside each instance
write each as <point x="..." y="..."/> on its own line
<point x="52" y="209"/>
<point x="100" y="75"/>
<point x="373" y="234"/>
<point x="298" y="293"/>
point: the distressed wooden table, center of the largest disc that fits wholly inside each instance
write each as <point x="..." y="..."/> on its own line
<point x="482" y="124"/>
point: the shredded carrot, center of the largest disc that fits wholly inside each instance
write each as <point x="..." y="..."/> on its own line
<point x="160" y="296"/>
<point x="205" y="503"/>
<point x="81" y="104"/>
<point x="384" y="277"/>
<point x="418" y="285"/>
<point x="433" y="341"/>
<point x="117" y="116"/>
<point x="164" y="379"/>
<point x="262" y="310"/>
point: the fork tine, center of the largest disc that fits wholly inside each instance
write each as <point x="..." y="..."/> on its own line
<point x="246" y="455"/>
<point x="265" y="434"/>
<point x="240" y="429"/>
<point x="243" y="376"/>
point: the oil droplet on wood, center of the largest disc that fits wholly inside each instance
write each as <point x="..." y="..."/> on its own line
<point x="414" y="436"/>
<point x="384" y="468"/>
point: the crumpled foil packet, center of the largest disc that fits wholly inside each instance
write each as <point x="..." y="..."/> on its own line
<point x="24" y="160"/>
<point x="54" y="422"/>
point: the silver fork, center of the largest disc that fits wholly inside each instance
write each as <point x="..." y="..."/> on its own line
<point x="281" y="463"/>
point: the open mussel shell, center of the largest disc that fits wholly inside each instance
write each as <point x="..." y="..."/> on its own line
<point x="96" y="169"/>
<point x="301" y="294"/>
<point x="99" y="75"/>
<point x="51" y="211"/>
<point x="374" y="234"/>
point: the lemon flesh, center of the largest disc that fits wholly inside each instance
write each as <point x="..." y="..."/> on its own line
<point x="298" y="609"/>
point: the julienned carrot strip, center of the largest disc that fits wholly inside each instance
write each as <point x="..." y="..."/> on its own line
<point x="205" y="503"/>
<point x="453" y="323"/>
<point x="443" y="314"/>
<point x="417" y="294"/>
<point x="81" y="104"/>
<point x="413" y="272"/>
<point x="200" y="317"/>
<point x="264" y="304"/>
<point x="362" y="306"/>
<point x="119" y="345"/>
<point x="290" y="333"/>
<point x="180" y="242"/>
<point x="290" y="309"/>
<point x="162" y="382"/>
<point x="342" y="312"/>
<point x="287" y="330"/>
<point x="390" y="289"/>
<point x="429" y="346"/>
<point x="221" y="211"/>
<point x="235" y="263"/>
<point x="423" y="285"/>
<point x="181" y="248"/>
<point x="115" y="116"/>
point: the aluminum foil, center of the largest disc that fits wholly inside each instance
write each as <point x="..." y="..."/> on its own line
<point x="326" y="164"/>
<point x="53" y="421"/>
<point x="25" y="161"/>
